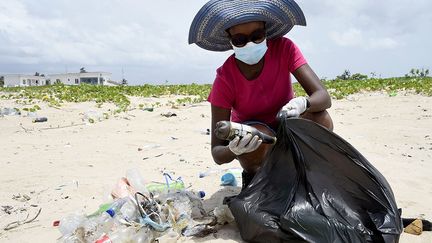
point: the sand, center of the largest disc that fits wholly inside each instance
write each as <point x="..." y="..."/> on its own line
<point x="67" y="164"/>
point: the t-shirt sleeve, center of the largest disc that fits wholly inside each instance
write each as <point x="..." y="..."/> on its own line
<point x="222" y="93"/>
<point x="295" y="57"/>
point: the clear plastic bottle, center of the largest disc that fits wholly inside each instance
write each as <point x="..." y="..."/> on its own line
<point x="122" y="234"/>
<point x="136" y="180"/>
<point x="69" y="224"/>
<point x="97" y="226"/>
<point x="144" y="235"/>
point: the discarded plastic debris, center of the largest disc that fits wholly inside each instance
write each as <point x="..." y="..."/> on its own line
<point x="169" y="114"/>
<point x="93" y="116"/>
<point x="235" y="171"/>
<point x="223" y="214"/>
<point x="415" y="228"/>
<point x="9" y="112"/>
<point x="40" y="119"/>
<point x="166" y="212"/>
<point x="148" y="109"/>
<point x="228" y="179"/>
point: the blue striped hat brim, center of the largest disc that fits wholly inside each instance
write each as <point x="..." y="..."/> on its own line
<point x="208" y="29"/>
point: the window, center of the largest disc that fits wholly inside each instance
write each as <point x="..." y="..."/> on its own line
<point x="37" y="82"/>
<point x="76" y="81"/>
<point x="24" y="82"/>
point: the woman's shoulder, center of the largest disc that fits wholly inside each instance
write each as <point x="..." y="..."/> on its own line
<point x="226" y="68"/>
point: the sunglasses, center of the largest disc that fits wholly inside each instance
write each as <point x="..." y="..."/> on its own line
<point x="240" y="40"/>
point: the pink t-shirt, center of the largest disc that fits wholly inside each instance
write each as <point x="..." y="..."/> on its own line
<point x="262" y="98"/>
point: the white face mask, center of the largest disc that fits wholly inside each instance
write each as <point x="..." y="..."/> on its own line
<point x="251" y="53"/>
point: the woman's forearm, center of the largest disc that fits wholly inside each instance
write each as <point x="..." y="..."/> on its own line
<point x="319" y="101"/>
<point x="222" y="154"/>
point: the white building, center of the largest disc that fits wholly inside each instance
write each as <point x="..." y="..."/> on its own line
<point x="95" y="78"/>
<point x="13" y="80"/>
<point x="101" y="78"/>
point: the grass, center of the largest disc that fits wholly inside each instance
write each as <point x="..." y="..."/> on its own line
<point x="57" y="94"/>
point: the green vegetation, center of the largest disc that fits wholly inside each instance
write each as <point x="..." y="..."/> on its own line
<point x="339" y="89"/>
<point x="56" y="94"/>
<point x="417" y="73"/>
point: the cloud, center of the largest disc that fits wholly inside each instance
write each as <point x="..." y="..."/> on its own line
<point x="357" y="38"/>
<point x="149" y="38"/>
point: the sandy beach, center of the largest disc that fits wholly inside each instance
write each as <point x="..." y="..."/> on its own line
<point x="68" y="164"/>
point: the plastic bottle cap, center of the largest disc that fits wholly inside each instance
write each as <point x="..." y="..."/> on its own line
<point x="111" y="212"/>
<point x="201" y="194"/>
<point x="228" y="179"/>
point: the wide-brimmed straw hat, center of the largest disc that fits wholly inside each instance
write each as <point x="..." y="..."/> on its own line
<point x="208" y="29"/>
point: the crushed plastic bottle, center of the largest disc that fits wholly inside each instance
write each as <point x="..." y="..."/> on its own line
<point x="69" y="224"/>
<point x="169" y="186"/>
<point x="9" y="112"/>
<point x="136" y="180"/>
<point x="122" y="234"/>
<point x="223" y="214"/>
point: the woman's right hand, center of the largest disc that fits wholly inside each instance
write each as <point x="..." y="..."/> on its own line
<point x="244" y="145"/>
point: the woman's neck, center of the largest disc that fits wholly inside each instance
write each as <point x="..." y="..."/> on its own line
<point x="250" y="72"/>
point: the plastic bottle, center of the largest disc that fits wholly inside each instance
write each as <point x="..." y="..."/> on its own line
<point x="227" y="130"/>
<point x="163" y="187"/>
<point x="136" y="180"/>
<point x="235" y="171"/>
<point x="40" y="119"/>
<point x="123" y="234"/>
<point x="144" y="235"/>
<point x="99" y="225"/>
<point x="69" y="224"/>
<point x="129" y="211"/>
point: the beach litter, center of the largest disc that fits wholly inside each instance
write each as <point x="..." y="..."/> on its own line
<point x="150" y="109"/>
<point x="169" y="114"/>
<point x="18" y="223"/>
<point x="228" y="179"/>
<point x="9" y="112"/>
<point x="40" y="119"/>
<point x="142" y="211"/>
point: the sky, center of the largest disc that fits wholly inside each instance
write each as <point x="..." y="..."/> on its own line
<point x="147" y="41"/>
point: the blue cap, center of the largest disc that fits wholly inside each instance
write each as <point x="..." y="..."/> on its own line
<point x="228" y="179"/>
<point x="111" y="212"/>
<point x="201" y="194"/>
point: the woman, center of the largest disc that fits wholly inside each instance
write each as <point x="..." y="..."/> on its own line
<point x="254" y="86"/>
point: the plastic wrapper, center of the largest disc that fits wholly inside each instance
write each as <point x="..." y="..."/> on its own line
<point x="316" y="187"/>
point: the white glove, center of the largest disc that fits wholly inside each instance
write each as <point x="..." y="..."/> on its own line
<point x="294" y="108"/>
<point x="244" y="145"/>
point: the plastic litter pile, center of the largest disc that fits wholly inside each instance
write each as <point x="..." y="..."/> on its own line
<point x="145" y="212"/>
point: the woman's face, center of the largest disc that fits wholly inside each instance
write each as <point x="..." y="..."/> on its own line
<point x="241" y="34"/>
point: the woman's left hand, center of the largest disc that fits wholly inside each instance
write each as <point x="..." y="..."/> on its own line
<point x="294" y="108"/>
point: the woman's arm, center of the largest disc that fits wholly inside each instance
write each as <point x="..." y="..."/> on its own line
<point x="319" y="98"/>
<point x="220" y="151"/>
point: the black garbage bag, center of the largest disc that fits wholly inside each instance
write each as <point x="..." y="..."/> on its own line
<point x="315" y="187"/>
